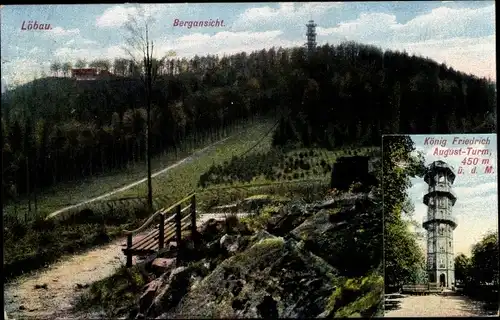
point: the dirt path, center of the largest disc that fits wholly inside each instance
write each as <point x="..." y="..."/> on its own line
<point x="437" y="306"/>
<point x="131" y="185"/>
<point x="23" y="299"/>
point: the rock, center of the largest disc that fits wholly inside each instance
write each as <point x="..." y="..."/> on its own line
<point x="226" y="208"/>
<point x="172" y="291"/>
<point x="211" y="230"/>
<point x="289" y="217"/>
<point x="255" y="202"/>
<point x="261" y="235"/>
<point x="262" y="281"/>
<point x="81" y="286"/>
<point x="41" y="286"/>
<point x="163" y="265"/>
<point x="148" y="295"/>
<point x="229" y="242"/>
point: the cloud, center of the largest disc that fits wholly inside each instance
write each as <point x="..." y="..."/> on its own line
<point x="118" y="15"/>
<point x="58" y="31"/>
<point x="461" y="38"/>
<point x="225" y="42"/>
<point x="25" y="69"/>
<point x="477" y="191"/>
<point x="285" y="13"/>
<point x="79" y="42"/>
<point x="88" y="53"/>
<point x="440" y="23"/>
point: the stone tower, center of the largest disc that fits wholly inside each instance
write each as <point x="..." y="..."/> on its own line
<point x="311" y="36"/>
<point x="440" y="223"/>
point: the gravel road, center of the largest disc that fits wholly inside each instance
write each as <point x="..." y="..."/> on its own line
<point x="437" y="306"/>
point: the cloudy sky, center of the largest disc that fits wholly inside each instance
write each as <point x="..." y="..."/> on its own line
<point x="476" y="208"/>
<point x="459" y="33"/>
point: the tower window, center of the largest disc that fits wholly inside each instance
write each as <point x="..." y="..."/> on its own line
<point x="441" y="248"/>
<point x="449" y="244"/>
<point x="441" y="179"/>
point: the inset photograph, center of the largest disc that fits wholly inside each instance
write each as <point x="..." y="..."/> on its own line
<point x="440" y="225"/>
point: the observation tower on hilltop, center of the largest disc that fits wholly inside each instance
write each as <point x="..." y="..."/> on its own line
<point x="311" y="36"/>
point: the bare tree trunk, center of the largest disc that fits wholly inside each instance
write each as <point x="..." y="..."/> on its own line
<point x="28" y="183"/>
<point x="148" y="100"/>
<point x="35" y="198"/>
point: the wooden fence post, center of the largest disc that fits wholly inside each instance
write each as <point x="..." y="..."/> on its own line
<point x="129" y="253"/>
<point x="193" y="215"/>
<point x="161" y="238"/>
<point x="178" y="233"/>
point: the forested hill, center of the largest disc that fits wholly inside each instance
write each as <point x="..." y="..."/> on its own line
<point x="341" y="94"/>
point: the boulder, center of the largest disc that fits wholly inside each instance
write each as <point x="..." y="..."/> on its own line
<point x="171" y="291"/>
<point x="229" y="243"/>
<point x="335" y="234"/>
<point x="289" y="217"/>
<point x="163" y="265"/>
<point x="148" y="295"/>
<point x="272" y="278"/>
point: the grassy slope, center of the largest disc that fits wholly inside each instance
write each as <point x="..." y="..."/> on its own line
<point x="70" y="193"/>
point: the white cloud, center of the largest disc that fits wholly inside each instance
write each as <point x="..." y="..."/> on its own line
<point x="476" y="191"/>
<point x="440" y="23"/>
<point x="58" y="31"/>
<point x="118" y="15"/>
<point x="286" y="13"/>
<point x="225" y="42"/>
<point x="25" y="69"/>
<point x="88" y="53"/>
<point x="446" y="35"/>
<point x="79" y="42"/>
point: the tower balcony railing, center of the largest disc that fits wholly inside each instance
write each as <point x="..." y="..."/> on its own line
<point x="444" y="218"/>
<point x="441" y="188"/>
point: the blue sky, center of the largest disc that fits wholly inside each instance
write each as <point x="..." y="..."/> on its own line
<point x="460" y="33"/>
<point x="477" y="194"/>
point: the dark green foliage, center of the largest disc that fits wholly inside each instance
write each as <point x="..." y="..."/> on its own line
<point x="403" y="257"/>
<point x="244" y="169"/>
<point x="478" y="275"/>
<point x="370" y="92"/>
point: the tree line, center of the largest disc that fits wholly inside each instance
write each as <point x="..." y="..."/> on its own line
<point x="354" y="93"/>
<point x="479" y="273"/>
<point x="58" y="129"/>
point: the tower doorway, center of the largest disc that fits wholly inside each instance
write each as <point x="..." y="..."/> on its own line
<point x="432" y="279"/>
<point x="442" y="280"/>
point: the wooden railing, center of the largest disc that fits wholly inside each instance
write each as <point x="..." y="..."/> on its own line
<point x="171" y="224"/>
